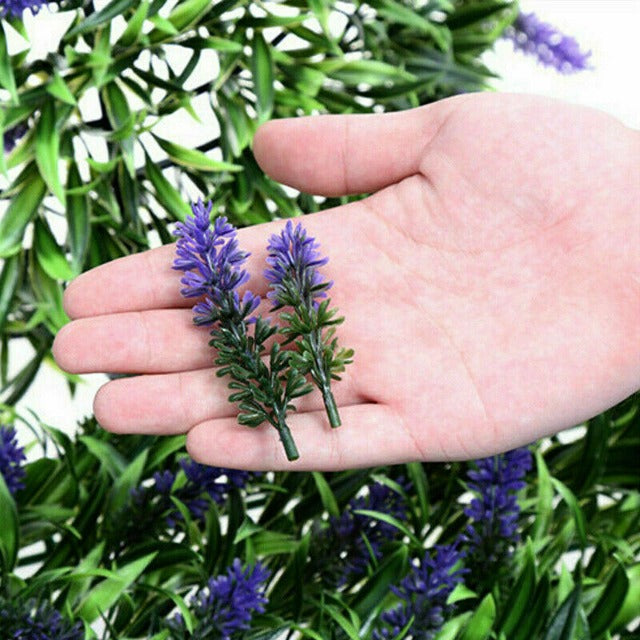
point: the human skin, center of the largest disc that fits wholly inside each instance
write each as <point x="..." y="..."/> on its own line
<point x="490" y="285"/>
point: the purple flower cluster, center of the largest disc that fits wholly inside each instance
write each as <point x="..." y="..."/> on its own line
<point x="212" y="262"/>
<point x="494" y="512"/>
<point x="15" y="8"/>
<point x="35" y="621"/>
<point x="423" y="594"/>
<point x="202" y="481"/>
<point x="552" y="48"/>
<point x="11" y="459"/>
<point x="225" y="607"/>
<point x="294" y="259"/>
<point x="13" y="135"/>
<point x="355" y="539"/>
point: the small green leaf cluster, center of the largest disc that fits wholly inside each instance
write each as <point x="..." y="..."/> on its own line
<point x="305" y="322"/>
<point x="264" y="392"/>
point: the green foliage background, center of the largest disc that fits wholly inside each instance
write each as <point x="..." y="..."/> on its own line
<point x="269" y="60"/>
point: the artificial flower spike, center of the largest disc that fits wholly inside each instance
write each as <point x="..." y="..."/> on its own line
<point x="296" y="284"/>
<point x="213" y="266"/>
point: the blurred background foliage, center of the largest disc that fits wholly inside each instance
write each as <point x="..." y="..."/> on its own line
<point x="117" y="533"/>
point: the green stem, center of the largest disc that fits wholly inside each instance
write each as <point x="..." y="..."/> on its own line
<point x="323" y="378"/>
<point x="287" y="440"/>
<point x="331" y="407"/>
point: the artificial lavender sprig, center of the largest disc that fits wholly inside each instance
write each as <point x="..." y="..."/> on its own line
<point x="296" y="283"/>
<point x="213" y="266"/>
<point x="11" y="459"/>
<point x="552" y="48"/>
<point x="423" y="595"/>
<point x="494" y="511"/>
<point x="225" y="607"/>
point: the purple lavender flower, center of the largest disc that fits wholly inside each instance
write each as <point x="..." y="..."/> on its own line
<point x="294" y="259"/>
<point x="552" y="48"/>
<point x="12" y="136"/>
<point x="355" y="539"/>
<point x="295" y="282"/>
<point x="11" y="459"/>
<point x="494" y="512"/>
<point x="31" y="620"/>
<point x="15" y="8"/>
<point x="202" y="481"/>
<point x="225" y="607"/>
<point x="212" y="262"/>
<point x="423" y="594"/>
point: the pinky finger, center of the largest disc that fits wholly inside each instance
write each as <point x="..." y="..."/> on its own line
<point x="371" y="434"/>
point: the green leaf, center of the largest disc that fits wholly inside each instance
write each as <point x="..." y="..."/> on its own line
<point x="58" y="88"/>
<point x="344" y="624"/>
<point x="78" y="224"/>
<point x="400" y="14"/>
<point x="128" y="480"/>
<point x="113" y="9"/>
<point x="179" y="602"/>
<point x="48" y="149"/>
<point x="370" y="596"/>
<point x="49" y="254"/>
<point x="354" y="72"/>
<point x="9" y="533"/>
<point x="418" y="478"/>
<point x="194" y="159"/>
<point x="212" y="42"/>
<point x="517" y="606"/>
<point x="572" y="503"/>
<point x="263" y="77"/>
<point x="394" y="522"/>
<point x="530" y="624"/>
<point x="121" y="120"/>
<point x="544" y="502"/>
<point x="7" y="79"/>
<point x="48" y="293"/>
<point x="609" y="603"/>
<point x="166" y="194"/>
<point x="630" y="608"/>
<point x="107" y="592"/>
<point x="481" y="622"/>
<point x="134" y="26"/>
<point x="329" y="501"/>
<point x="21" y="210"/>
<point x="8" y="283"/>
<point x="106" y="453"/>
<point x="563" y="623"/>
<point x="188" y="12"/>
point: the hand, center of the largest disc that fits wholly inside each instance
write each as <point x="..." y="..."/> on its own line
<point x="491" y="289"/>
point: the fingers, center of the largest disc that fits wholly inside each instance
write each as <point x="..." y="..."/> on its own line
<point x="370" y="434"/>
<point x="173" y="403"/>
<point x="135" y="342"/>
<point x="337" y="155"/>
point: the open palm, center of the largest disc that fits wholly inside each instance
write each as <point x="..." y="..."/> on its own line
<point x="491" y="289"/>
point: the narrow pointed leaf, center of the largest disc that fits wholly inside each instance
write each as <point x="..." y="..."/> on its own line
<point x="21" y="210"/>
<point x="48" y="149"/>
